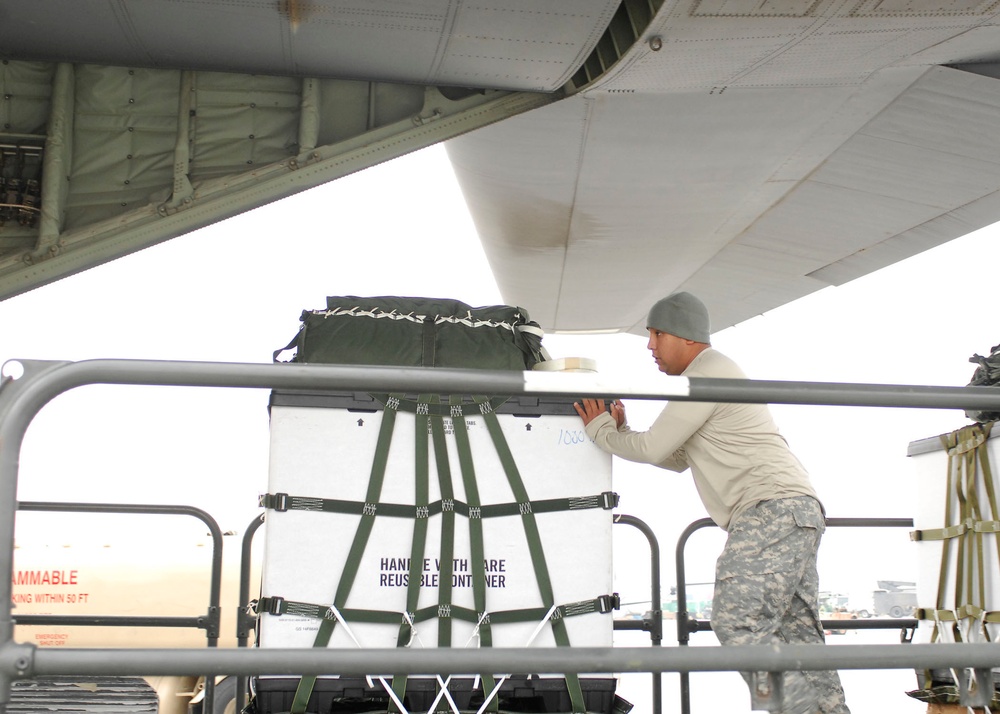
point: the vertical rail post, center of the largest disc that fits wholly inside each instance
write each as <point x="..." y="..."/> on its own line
<point x="656" y="634"/>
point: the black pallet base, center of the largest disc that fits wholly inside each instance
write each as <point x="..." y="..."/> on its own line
<point x="352" y="695"/>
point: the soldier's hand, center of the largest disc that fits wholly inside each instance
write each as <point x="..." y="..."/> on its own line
<point x="589" y="409"/>
<point x="617" y="410"/>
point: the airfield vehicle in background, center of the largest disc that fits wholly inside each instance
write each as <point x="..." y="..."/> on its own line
<point x="895" y="598"/>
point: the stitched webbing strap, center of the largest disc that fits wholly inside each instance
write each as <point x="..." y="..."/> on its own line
<point x="422" y="405"/>
<point x="375" y="481"/>
<point x="421" y="497"/>
<point x="990" y="484"/>
<point x="277" y="605"/>
<point x="968" y="457"/>
<point x="535" y="549"/>
<point x="945" y="551"/>
<point x="966" y="526"/>
<point x="960" y="613"/>
<point x="477" y="551"/>
<point x="283" y="502"/>
<point x="603" y="604"/>
<point x="447" y="547"/>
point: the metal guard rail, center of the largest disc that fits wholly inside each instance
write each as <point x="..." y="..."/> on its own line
<point x="208" y="621"/>
<point x="40" y="381"/>
<point x="652" y="621"/>
<point x="687" y="625"/>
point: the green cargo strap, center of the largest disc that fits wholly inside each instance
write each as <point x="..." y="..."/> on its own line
<point x="447" y="545"/>
<point x="421" y="496"/>
<point x="968" y="457"/>
<point x="298" y="335"/>
<point x="427" y="352"/>
<point x="477" y="550"/>
<point x="990" y="484"/>
<point x="967" y="526"/>
<point x="603" y="604"/>
<point x="376" y="478"/>
<point x="425" y="406"/>
<point x="945" y="557"/>
<point x="960" y="613"/>
<point x="447" y="552"/>
<point x="421" y="462"/>
<point x="283" y="502"/>
<point x="975" y="591"/>
<point x="277" y="606"/>
<point x="535" y="549"/>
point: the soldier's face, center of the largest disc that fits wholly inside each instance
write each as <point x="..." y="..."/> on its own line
<point x="669" y="352"/>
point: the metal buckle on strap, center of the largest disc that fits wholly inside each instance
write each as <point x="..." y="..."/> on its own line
<point x="276" y="502"/>
<point x="273" y="605"/>
<point x="609" y="500"/>
<point x="607" y="603"/>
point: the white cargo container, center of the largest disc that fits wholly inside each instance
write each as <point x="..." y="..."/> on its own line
<point x="323" y="447"/>
<point x="979" y="562"/>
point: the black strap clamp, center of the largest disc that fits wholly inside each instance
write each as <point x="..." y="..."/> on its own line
<point x="271" y="605"/>
<point x="609" y="500"/>
<point x="277" y="501"/>
<point x="607" y="603"/>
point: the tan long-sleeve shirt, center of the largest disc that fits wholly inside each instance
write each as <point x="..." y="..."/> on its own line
<point x="734" y="451"/>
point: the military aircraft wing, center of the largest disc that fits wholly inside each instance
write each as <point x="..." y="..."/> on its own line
<point x="749" y="152"/>
<point x="610" y="151"/>
<point x="124" y="124"/>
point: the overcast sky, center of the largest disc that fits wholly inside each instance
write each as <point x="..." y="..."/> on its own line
<point x="234" y="292"/>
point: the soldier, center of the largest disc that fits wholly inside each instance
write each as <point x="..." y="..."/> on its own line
<point x="766" y="587"/>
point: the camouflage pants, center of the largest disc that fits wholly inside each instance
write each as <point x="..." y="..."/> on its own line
<point x="766" y="592"/>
